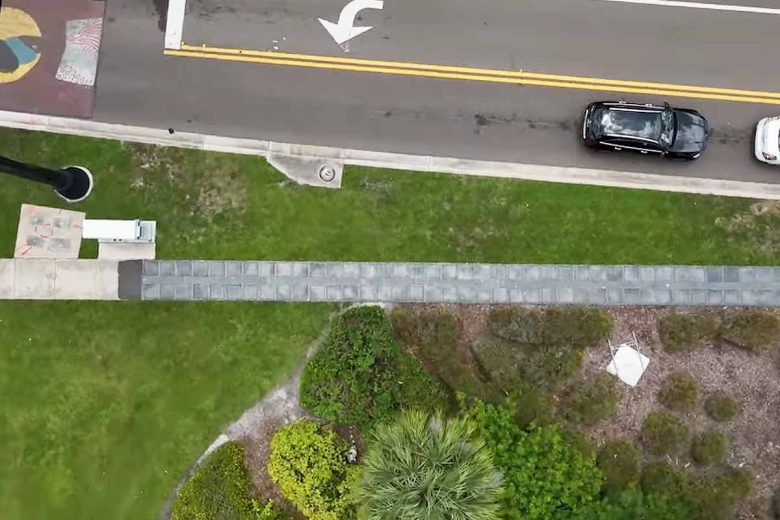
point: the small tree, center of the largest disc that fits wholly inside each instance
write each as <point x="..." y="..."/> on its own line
<point x="423" y="466"/>
<point x="664" y="433"/>
<point x="308" y="463"/>
<point x="680" y="392"/>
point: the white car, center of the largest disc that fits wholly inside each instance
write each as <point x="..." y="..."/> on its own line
<point x="768" y="140"/>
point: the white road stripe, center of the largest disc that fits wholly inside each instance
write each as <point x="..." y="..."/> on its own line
<point x="699" y="5"/>
<point x="174" y="27"/>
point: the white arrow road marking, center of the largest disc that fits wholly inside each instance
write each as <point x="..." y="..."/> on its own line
<point x="345" y="29"/>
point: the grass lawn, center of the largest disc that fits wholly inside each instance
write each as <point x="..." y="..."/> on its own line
<point x="224" y="206"/>
<point x="104" y="405"/>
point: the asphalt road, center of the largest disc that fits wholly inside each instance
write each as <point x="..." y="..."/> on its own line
<point x="446" y="117"/>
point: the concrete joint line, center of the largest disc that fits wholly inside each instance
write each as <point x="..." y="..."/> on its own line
<point x="396" y="161"/>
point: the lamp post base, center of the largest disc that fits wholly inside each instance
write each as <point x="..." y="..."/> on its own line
<point x="80" y="185"/>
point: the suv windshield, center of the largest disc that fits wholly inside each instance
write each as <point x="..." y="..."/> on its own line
<point x="667" y="127"/>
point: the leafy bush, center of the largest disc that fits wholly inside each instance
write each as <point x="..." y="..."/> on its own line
<point x="269" y="511"/>
<point x="433" y="337"/>
<point x="547" y="367"/>
<point x="665" y="479"/>
<point x="594" y="399"/>
<point x="721" y="407"/>
<point x="634" y="505"/>
<point x="219" y="488"/>
<point x="620" y="462"/>
<point x="754" y="330"/>
<point x="543" y="474"/>
<point x="423" y="466"/>
<point x="532" y="405"/>
<point x="577" y="327"/>
<point x="680" y="332"/>
<point x="714" y="498"/>
<point x="710" y="448"/>
<point x="429" y="331"/>
<point x="680" y="392"/>
<point x="360" y="375"/>
<point x="308" y="463"/>
<point x="663" y="433"/>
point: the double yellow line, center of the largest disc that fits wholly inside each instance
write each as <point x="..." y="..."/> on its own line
<point x="398" y="68"/>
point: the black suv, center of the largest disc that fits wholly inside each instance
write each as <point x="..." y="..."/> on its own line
<point x="675" y="132"/>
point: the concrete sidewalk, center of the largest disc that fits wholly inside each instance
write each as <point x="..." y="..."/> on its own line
<point x="58" y="279"/>
<point x="188" y="280"/>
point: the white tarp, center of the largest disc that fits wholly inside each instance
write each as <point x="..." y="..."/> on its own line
<point x="628" y="364"/>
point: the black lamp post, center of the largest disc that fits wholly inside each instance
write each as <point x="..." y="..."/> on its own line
<point x="73" y="183"/>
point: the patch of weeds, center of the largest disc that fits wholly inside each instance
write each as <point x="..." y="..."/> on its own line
<point x="577" y="327"/>
<point x="665" y="479"/>
<point x="663" y="433"/>
<point x="593" y="400"/>
<point x="754" y="330"/>
<point x="721" y="407"/>
<point x="710" y="448"/>
<point x="620" y="462"/>
<point x="683" y="332"/>
<point x="680" y="392"/>
<point x="759" y="227"/>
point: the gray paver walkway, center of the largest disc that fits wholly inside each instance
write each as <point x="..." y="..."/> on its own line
<point x="450" y="283"/>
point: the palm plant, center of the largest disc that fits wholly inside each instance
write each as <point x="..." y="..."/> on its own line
<point x="423" y="467"/>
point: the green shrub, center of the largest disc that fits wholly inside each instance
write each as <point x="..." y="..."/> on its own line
<point x="532" y="405"/>
<point x="594" y="399"/>
<point x="428" y="331"/>
<point x="681" y="332"/>
<point x="721" y="407"/>
<point x="433" y="337"/>
<point x="665" y="479"/>
<point x="632" y="504"/>
<point x="620" y="462"/>
<point x="269" y="511"/>
<point x="543" y="474"/>
<point x="754" y="330"/>
<point x="714" y="498"/>
<point x="663" y="433"/>
<point x="680" y="392"/>
<point x="710" y="448"/>
<point x="219" y="488"/>
<point x="360" y="375"/>
<point x="545" y="366"/>
<point x="423" y="466"/>
<point x="309" y="465"/>
<point x="577" y="327"/>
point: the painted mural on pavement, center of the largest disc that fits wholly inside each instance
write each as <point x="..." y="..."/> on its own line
<point x="49" y="55"/>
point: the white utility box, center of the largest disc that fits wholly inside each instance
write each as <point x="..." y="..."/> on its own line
<point x="131" y="231"/>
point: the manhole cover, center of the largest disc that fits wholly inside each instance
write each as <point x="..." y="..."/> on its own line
<point x="327" y="173"/>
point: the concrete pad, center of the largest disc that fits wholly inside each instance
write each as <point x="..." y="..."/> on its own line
<point x="107" y="280"/>
<point x="34" y="279"/>
<point x="628" y="365"/>
<point x="75" y="280"/>
<point x="45" y="232"/>
<point x="126" y="251"/>
<point x="7" y="278"/>
<point x="309" y="171"/>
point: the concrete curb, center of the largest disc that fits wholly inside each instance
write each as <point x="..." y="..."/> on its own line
<point x="58" y="279"/>
<point x="397" y="161"/>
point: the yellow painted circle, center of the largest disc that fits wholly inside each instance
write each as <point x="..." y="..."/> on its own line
<point x="15" y="23"/>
